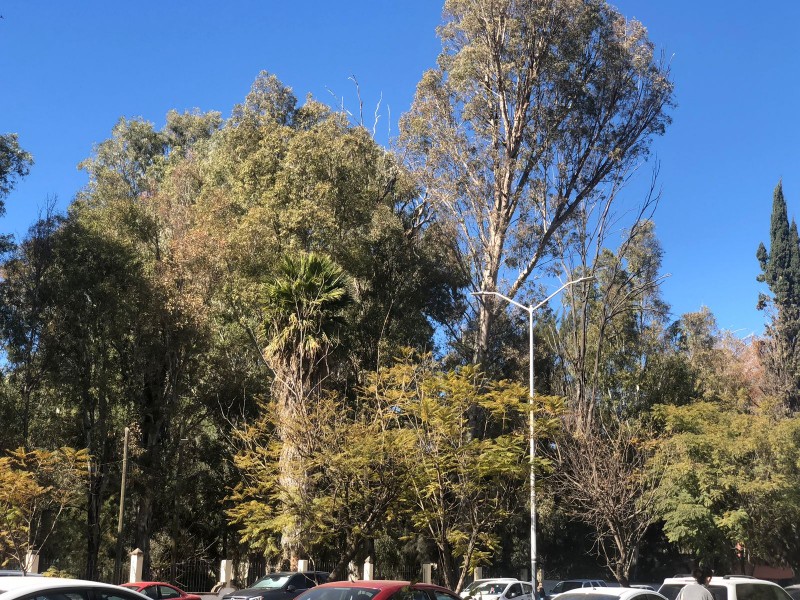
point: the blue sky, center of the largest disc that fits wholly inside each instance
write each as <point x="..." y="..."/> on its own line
<point x="69" y="70"/>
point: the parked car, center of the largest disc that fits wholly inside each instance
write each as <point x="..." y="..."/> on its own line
<point x="279" y="586"/>
<point x="158" y="590"/>
<point x="17" y="573"/>
<point x="378" y="590"/>
<point x="729" y="587"/>
<point x="793" y="591"/>
<point x="571" y="584"/>
<point x="55" y="588"/>
<point x="467" y="591"/>
<point x="610" y="593"/>
<point x="498" y="589"/>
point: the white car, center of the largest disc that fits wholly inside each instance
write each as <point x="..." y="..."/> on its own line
<point x="610" y="593"/>
<point x="497" y="589"/>
<point x="571" y="584"/>
<point x="54" y="588"/>
<point x="729" y="587"/>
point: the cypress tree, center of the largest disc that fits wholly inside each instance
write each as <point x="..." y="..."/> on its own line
<point x="781" y="272"/>
<point x="781" y="266"/>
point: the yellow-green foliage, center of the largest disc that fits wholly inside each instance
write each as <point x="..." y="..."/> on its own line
<point x="36" y="485"/>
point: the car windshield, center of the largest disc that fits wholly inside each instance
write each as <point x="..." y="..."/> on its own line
<point x="339" y="593"/>
<point x="488" y="587"/>
<point x="272" y="582"/>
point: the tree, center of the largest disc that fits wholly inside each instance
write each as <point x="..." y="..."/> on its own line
<point x="25" y="305"/>
<point x="303" y="306"/>
<point x="608" y="479"/>
<point x="15" y="163"/>
<point x="734" y="475"/>
<point x="781" y="272"/>
<point x="461" y="487"/>
<point x="353" y="473"/>
<point x="36" y="487"/>
<point x="610" y="333"/>
<point x="533" y="106"/>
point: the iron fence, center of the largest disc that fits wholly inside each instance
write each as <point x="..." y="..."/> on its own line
<point x="193" y="575"/>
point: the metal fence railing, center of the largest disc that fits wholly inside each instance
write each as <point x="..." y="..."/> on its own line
<point x="193" y="575"/>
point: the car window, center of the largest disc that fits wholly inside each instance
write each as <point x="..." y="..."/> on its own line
<point x="167" y="592"/>
<point x="571" y="585"/>
<point x="720" y="592"/>
<point x="527" y="588"/>
<point x="58" y="595"/>
<point x="440" y="595"/>
<point x="102" y="594"/>
<point x="151" y="591"/>
<point x="409" y="594"/>
<point x="488" y="587"/>
<point x="300" y="582"/>
<point x="271" y="582"/>
<point x="308" y="582"/>
<point x="559" y="587"/>
<point x="671" y="590"/>
<point x="339" y="593"/>
<point x="514" y="591"/>
<point x="759" y="591"/>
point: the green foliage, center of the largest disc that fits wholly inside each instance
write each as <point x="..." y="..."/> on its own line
<point x="460" y="486"/>
<point x="781" y="266"/>
<point x="14" y="163"/>
<point x="781" y="271"/>
<point x="36" y="487"/>
<point x="303" y="305"/>
<point x="733" y="477"/>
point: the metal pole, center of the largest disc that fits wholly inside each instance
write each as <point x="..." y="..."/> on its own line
<point x="118" y="559"/>
<point x="532" y="452"/>
<point x="531" y="393"/>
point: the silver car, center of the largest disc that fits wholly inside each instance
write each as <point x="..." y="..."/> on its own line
<point x="54" y="588"/>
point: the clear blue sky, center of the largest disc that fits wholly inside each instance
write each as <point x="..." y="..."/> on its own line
<point x="69" y="70"/>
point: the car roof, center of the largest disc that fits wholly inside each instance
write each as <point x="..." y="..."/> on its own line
<point x="620" y="592"/>
<point x="130" y="583"/>
<point x="33" y="584"/>
<point x="380" y="584"/>
<point x="718" y="580"/>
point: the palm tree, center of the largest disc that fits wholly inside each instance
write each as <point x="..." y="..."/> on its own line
<point x="304" y="306"/>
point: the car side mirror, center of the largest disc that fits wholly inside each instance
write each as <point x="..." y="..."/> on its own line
<point x="290" y="588"/>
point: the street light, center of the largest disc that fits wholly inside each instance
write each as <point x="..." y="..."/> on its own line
<point x="532" y="450"/>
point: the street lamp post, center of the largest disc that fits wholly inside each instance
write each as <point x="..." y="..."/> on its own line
<point x="532" y="449"/>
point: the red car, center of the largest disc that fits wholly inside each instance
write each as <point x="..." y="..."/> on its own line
<point x="377" y="590"/>
<point x="158" y="590"/>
